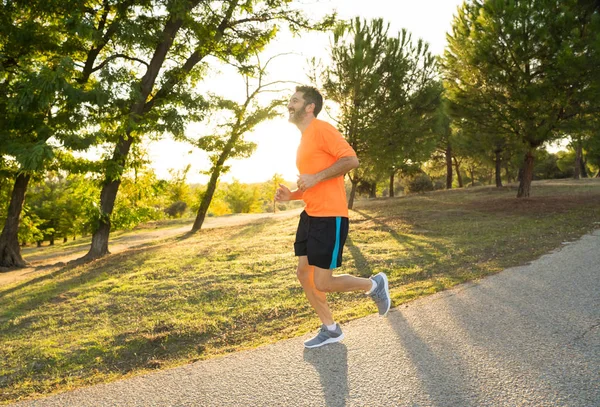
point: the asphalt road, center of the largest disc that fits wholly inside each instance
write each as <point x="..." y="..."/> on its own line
<point x="529" y="336"/>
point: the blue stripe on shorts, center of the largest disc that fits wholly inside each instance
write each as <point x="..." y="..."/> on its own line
<point x="336" y="249"/>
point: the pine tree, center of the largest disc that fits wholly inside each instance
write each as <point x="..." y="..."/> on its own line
<point x="520" y="69"/>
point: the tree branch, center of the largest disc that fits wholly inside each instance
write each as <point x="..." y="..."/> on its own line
<point x="110" y="58"/>
<point x="191" y="61"/>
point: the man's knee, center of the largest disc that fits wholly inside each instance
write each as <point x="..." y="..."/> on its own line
<point x="323" y="283"/>
<point x="303" y="273"/>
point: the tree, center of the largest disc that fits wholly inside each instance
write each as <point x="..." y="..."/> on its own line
<point x="386" y="95"/>
<point x="407" y="103"/>
<point x="242" y="119"/>
<point x="443" y="130"/>
<point x="270" y="188"/>
<point x="351" y="82"/>
<point x="167" y="48"/>
<point x="592" y="149"/>
<point x="242" y="198"/>
<point x="37" y="94"/>
<point x="522" y="69"/>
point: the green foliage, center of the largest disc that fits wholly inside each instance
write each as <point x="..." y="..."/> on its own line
<point x="517" y="73"/>
<point x="142" y="199"/>
<point x="63" y="207"/>
<point x="38" y="87"/>
<point x="387" y="96"/>
<point x="592" y="151"/>
<point x="564" y="162"/>
<point x="419" y="183"/>
<point x="29" y="228"/>
<point x="178" y="190"/>
<point x="242" y="198"/>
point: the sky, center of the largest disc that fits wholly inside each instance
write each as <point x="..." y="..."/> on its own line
<point x="277" y="140"/>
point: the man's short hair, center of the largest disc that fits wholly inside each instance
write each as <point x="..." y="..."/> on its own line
<point x="310" y="94"/>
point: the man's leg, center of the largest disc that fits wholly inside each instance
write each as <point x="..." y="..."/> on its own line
<point x="316" y="298"/>
<point x="326" y="282"/>
<point x="376" y="286"/>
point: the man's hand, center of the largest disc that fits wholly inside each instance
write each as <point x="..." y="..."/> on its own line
<point x="283" y="194"/>
<point x="306" y="181"/>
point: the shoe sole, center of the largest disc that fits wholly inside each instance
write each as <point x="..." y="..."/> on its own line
<point x="387" y="291"/>
<point x="328" y="341"/>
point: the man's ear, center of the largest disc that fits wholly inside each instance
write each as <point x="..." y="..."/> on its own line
<point x="310" y="108"/>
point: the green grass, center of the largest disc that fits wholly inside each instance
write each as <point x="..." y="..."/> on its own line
<point x="228" y="289"/>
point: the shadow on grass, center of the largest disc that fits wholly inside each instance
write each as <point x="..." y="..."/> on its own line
<point x="36" y="280"/>
<point x="253" y="228"/>
<point x="97" y="270"/>
<point x="124" y="353"/>
<point x="360" y="262"/>
<point x="416" y="248"/>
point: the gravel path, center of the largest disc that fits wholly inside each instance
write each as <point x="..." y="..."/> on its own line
<point x="529" y="336"/>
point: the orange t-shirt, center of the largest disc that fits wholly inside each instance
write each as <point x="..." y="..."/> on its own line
<point x="321" y="146"/>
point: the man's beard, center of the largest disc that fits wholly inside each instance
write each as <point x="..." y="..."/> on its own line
<point x="298" y="115"/>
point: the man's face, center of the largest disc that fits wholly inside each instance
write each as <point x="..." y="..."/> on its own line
<point x="297" y="108"/>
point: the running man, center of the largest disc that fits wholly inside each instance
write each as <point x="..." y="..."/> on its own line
<point x="323" y="158"/>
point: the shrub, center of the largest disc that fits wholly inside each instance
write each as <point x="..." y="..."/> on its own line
<point x="419" y="183"/>
<point x="176" y="209"/>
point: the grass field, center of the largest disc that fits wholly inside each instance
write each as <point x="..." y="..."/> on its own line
<point x="233" y="288"/>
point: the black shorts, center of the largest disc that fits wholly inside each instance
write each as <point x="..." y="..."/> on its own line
<point x="321" y="239"/>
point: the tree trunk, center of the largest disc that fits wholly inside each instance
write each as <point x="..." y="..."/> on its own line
<point x="458" y="175"/>
<point x="392" y="184"/>
<point x="373" y="191"/>
<point x="112" y="181"/>
<point x="578" y="154"/>
<point x="214" y="178"/>
<point x="207" y="199"/>
<point x="498" y="169"/>
<point x="10" y="251"/>
<point x="584" y="172"/>
<point x="526" y="175"/>
<point x="508" y="174"/>
<point x="352" y="192"/>
<point x="108" y="195"/>
<point x="448" y="166"/>
<point x="100" y="237"/>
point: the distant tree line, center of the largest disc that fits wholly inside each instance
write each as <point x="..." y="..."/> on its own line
<point x="516" y="76"/>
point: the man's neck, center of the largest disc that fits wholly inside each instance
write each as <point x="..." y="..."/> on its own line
<point x="305" y="123"/>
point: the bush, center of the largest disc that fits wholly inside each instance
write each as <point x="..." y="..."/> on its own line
<point x="419" y="183"/>
<point x="439" y="183"/>
<point x="176" y="209"/>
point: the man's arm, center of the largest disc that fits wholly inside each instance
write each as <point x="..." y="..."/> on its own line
<point x="339" y="168"/>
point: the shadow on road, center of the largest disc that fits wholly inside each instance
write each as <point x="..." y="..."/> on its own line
<point x="331" y="363"/>
<point x="440" y="372"/>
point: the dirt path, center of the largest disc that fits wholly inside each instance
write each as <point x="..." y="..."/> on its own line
<point x="47" y="258"/>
